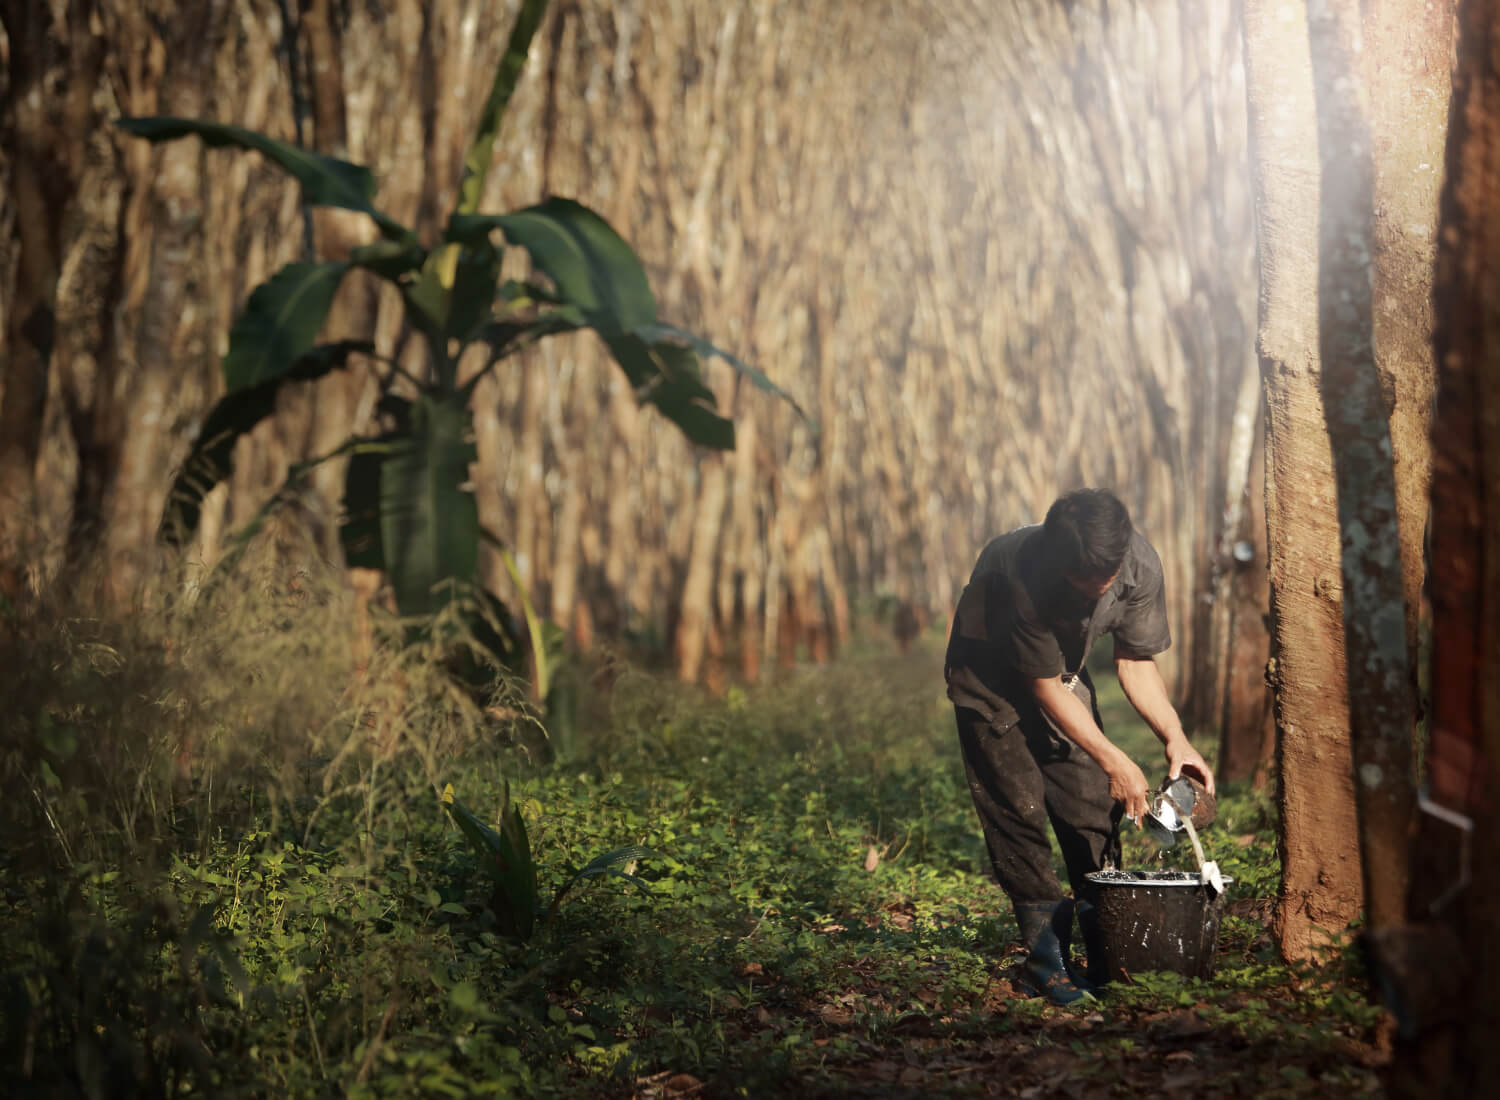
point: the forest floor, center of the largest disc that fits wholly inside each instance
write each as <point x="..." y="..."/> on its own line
<point x="217" y="880"/>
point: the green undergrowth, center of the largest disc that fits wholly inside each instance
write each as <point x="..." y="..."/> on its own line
<point x="228" y="871"/>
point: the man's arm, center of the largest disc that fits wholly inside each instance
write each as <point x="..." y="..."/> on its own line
<point x="1143" y="686"/>
<point x="1127" y="783"/>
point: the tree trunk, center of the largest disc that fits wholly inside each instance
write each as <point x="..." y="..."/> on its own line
<point x="1451" y="1016"/>
<point x="1321" y="867"/>
<point x="697" y="594"/>
<point x="1320" y="883"/>
<point x="1231" y="677"/>
<point x="1247" y="740"/>
<point x="1358" y="415"/>
<point x="42" y="142"/>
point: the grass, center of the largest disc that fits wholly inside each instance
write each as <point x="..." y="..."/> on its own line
<point x="227" y="872"/>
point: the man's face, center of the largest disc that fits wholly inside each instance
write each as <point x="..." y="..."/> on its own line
<point x="1091" y="587"/>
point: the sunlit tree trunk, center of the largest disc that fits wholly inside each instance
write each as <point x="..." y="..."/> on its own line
<point x="1240" y="700"/>
<point x="1359" y="413"/>
<point x="1247" y="739"/>
<point x="1322" y="887"/>
<point x="697" y="594"/>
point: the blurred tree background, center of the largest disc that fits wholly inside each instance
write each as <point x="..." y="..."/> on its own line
<point x="997" y="251"/>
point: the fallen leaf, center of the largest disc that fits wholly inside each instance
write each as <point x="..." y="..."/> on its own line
<point x="872" y="858"/>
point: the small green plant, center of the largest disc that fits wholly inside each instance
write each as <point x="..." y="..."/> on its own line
<point x="506" y="857"/>
<point x="408" y="508"/>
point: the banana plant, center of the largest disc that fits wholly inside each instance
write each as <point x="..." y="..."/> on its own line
<point x="408" y="508"/>
<point x="505" y="855"/>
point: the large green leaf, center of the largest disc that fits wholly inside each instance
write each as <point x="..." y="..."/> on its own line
<point x="429" y="522"/>
<point x="507" y="337"/>
<point x="326" y="181"/>
<point x="610" y="864"/>
<point x="453" y="295"/>
<point x="507" y="74"/>
<point x="212" y="458"/>
<point x="668" y="376"/>
<point x="427" y="303"/>
<point x="474" y="282"/>
<point x="280" y="323"/>
<point x="657" y="334"/>
<point x="589" y="263"/>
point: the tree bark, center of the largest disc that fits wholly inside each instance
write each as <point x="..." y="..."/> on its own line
<point x="1358" y="417"/>
<point x="1447" y="1039"/>
<point x="1320" y="883"/>
<point x="43" y="142"/>
<point x="1247" y="742"/>
<point x="697" y="592"/>
<point x="1336" y="362"/>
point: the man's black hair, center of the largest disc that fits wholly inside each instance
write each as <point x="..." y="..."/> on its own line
<point x="1087" y="533"/>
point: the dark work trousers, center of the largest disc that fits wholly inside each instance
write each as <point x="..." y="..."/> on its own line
<point x="1022" y="778"/>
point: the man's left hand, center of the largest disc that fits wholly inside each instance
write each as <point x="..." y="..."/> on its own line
<point x="1181" y="756"/>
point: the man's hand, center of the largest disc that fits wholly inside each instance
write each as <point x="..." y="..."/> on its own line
<point x="1182" y="757"/>
<point x="1127" y="784"/>
<point x="1144" y="688"/>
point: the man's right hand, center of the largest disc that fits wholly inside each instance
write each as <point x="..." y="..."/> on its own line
<point x="1127" y="784"/>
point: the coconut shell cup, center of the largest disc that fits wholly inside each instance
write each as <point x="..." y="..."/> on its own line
<point x="1205" y="805"/>
<point x="1193" y="797"/>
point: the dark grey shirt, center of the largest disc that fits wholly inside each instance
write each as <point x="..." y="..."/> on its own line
<point x="1019" y="620"/>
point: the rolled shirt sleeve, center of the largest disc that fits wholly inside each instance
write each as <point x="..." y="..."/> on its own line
<point x="1143" y="630"/>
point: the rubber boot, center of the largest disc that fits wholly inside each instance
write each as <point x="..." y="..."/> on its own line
<point x="1096" y="974"/>
<point x="1046" y="929"/>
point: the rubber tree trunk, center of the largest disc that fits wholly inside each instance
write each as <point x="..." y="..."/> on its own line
<point x="1452" y="1016"/>
<point x="1358" y="413"/>
<point x="1322" y="889"/>
<point x="1238" y="637"/>
<point x="1247" y="742"/>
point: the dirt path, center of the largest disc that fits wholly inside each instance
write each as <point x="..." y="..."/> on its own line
<point x="1289" y="1040"/>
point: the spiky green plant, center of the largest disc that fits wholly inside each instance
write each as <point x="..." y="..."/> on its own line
<point x="505" y="855"/>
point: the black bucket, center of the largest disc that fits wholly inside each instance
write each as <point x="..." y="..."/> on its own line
<point x="1156" y="920"/>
